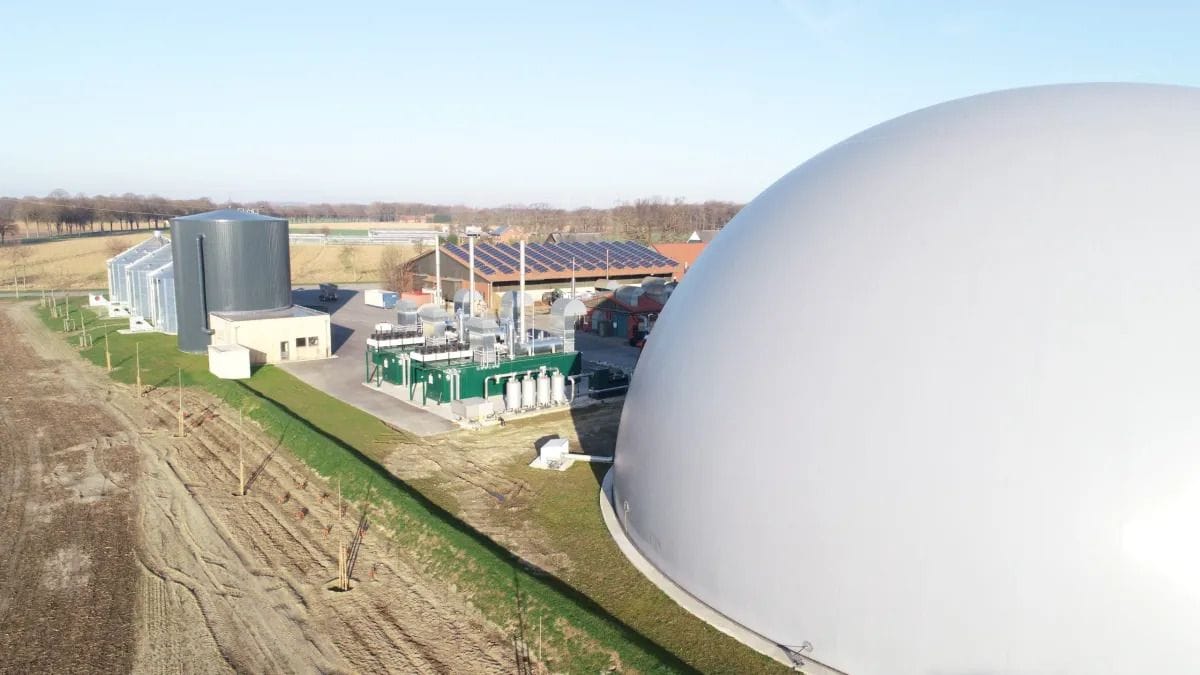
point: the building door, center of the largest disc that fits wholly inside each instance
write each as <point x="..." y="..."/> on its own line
<point x="283" y="350"/>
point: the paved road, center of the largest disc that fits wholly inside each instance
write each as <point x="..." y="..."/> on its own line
<point x="342" y="377"/>
<point x="607" y="350"/>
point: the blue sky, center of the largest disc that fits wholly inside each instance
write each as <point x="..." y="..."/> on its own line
<point x="567" y="103"/>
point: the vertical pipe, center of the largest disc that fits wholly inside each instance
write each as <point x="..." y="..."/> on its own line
<point x="437" y="269"/>
<point x="572" y="277"/>
<point x="521" y="339"/>
<point x="200" y="279"/>
<point x="471" y="276"/>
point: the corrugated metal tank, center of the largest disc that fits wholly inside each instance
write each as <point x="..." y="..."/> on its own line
<point x="118" y="289"/>
<point x="137" y="281"/>
<point x="227" y="261"/>
<point x="164" y="317"/>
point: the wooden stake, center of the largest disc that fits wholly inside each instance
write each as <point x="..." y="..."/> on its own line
<point x="343" y="571"/>
<point x="107" y="354"/>
<point x="339" y="498"/>
<point x="137" y="365"/>
<point x="241" y="474"/>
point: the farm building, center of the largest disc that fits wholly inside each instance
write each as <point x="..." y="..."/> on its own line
<point x="574" y="237"/>
<point x="548" y="266"/>
<point x="704" y="236"/>
<point x="621" y="314"/>
<point x="685" y="254"/>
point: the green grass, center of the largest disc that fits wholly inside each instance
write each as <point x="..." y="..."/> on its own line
<point x="340" y="442"/>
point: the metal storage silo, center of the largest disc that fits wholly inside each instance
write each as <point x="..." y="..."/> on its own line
<point x="227" y="261"/>
<point x="118" y="289"/>
<point x="163" y="282"/>
<point x="137" y="280"/>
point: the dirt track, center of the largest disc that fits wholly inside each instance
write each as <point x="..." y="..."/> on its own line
<point x="123" y="548"/>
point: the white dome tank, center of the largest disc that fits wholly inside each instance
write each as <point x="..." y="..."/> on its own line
<point x="977" y="450"/>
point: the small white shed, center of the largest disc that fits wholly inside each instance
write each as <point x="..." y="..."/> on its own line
<point x="229" y="362"/>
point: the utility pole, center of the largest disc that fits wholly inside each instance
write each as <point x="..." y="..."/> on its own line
<point x="137" y="365"/>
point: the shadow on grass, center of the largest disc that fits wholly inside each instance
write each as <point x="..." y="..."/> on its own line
<point x="519" y="568"/>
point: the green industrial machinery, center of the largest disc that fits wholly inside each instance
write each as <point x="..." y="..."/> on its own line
<point x="435" y="380"/>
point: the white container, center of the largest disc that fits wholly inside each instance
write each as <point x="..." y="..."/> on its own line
<point x="528" y="393"/>
<point x="558" y="392"/>
<point x="377" y="297"/>
<point x="512" y="394"/>
<point x="543" y="390"/>
<point x="554" y="450"/>
<point x="229" y="362"/>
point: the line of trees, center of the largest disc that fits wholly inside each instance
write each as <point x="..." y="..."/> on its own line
<point x="649" y="219"/>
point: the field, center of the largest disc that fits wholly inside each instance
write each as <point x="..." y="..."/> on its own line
<point x="78" y="264"/>
<point x="516" y="561"/>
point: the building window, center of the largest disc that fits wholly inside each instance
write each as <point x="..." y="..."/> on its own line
<point x="300" y="342"/>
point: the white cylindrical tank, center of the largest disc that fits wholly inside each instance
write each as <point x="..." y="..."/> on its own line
<point x="512" y="394"/>
<point x="528" y="392"/>
<point x="543" y="390"/>
<point x="558" y="393"/>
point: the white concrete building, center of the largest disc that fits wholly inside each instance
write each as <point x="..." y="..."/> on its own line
<point x="291" y="334"/>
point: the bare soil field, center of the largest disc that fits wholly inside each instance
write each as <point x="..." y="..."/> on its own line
<point x="125" y="548"/>
<point x="78" y="264"/>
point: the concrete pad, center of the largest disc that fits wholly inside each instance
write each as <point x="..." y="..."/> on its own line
<point x="342" y="376"/>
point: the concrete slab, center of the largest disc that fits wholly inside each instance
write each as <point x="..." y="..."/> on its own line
<point x="342" y="376"/>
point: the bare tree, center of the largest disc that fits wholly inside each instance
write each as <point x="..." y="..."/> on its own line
<point x="348" y="257"/>
<point x="396" y="271"/>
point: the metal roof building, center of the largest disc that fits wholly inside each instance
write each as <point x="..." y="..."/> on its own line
<point x="497" y="266"/>
<point x="163" y="314"/>
<point x="118" y="283"/>
<point x="138" y="280"/>
<point x="967" y="442"/>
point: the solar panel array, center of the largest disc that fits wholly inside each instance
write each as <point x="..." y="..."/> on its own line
<point x="539" y="257"/>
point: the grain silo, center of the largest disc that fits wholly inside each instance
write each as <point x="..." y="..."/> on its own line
<point x="118" y="282"/>
<point x="162" y="313"/>
<point x="227" y="261"/>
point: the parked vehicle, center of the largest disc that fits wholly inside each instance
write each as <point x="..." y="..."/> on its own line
<point x="639" y="339"/>
<point x="328" y="293"/>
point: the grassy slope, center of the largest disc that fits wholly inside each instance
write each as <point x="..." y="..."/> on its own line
<point x="345" y="444"/>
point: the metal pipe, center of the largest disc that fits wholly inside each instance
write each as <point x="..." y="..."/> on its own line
<point x="522" y="315"/>
<point x="437" y="269"/>
<point x="471" y="276"/>
<point x="200" y="279"/>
